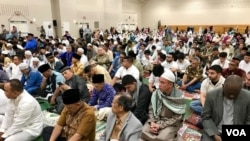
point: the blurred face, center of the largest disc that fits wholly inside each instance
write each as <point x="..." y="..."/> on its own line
<point x="27" y="56"/>
<point x="16" y="60"/>
<point x="195" y="63"/>
<point x="142" y="47"/>
<point x="98" y="86"/>
<point x="73" y="108"/>
<point x="125" y="63"/>
<point x="79" y="53"/>
<point x="241" y="46"/>
<point x="131" y="87"/>
<point x="101" y="51"/>
<point x="74" y="60"/>
<point x="215" y="52"/>
<point x="223" y="46"/>
<point x="67" y="74"/>
<point x="25" y="71"/>
<point x="68" y="49"/>
<point x="247" y="81"/>
<point x="213" y="75"/>
<point x="10" y="94"/>
<point x="35" y="63"/>
<point x="207" y="44"/>
<point x="247" y="58"/>
<point x="164" y="85"/>
<point x="233" y="65"/>
<point x="222" y="59"/>
<point x="51" y="59"/>
<point x="47" y="73"/>
<point x="42" y="51"/>
<point x="115" y="107"/>
<point x="121" y="57"/>
<point x="89" y="47"/>
<point x="169" y="58"/>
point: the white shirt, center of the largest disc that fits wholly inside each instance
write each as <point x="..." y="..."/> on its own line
<point x="154" y="80"/>
<point x="225" y="50"/>
<point x="14" y="72"/>
<point x="3" y="102"/>
<point x="49" y="32"/>
<point x="182" y="66"/>
<point x="244" y="66"/>
<point x="22" y="114"/>
<point x="66" y="42"/>
<point x="28" y="61"/>
<point x="171" y="65"/>
<point x="223" y="65"/>
<point x="84" y="60"/>
<point x="207" y="85"/>
<point x="121" y="72"/>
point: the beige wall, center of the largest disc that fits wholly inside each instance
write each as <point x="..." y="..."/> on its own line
<point x="38" y="9"/>
<point x="107" y="12"/>
<point x="144" y="13"/>
<point x="180" y="12"/>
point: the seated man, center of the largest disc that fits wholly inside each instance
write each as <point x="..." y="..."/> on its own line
<point x="141" y="97"/>
<point x="214" y="80"/>
<point x="93" y="69"/>
<point x="77" y="67"/>
<point x="31" y="80"/>
<point x="126" y="68"/>
<point x="191" y="80"/>
<point x="76" y="123"/>
<point x="3" y="105"/>
<point x="72" y="82"/>
<point x="229" y="105"/>
<point x="23" y="119"/>
<point x="53" y="62"/>
<point x="166" y="111"/>
<point x="103" y="93"/>
<point x="102" y="58"/>
<point x="153" y="81"/>
<point x="50" y="81"/>
<point x="122" y="125"/>
<point x="233" y="68"/>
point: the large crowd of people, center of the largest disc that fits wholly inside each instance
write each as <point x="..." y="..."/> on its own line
<point x="134" y="80"/>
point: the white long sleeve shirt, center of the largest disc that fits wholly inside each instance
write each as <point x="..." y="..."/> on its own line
<point x="23" y="114"/>
<point x="13" y="71"/>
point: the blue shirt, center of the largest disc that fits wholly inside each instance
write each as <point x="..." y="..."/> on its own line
<point x="116" y="64"/>
<point x="102" y="98"/>
<point x="31" y="44"/>
<point x="32" y="81"/>
<point x="67" y="56"/>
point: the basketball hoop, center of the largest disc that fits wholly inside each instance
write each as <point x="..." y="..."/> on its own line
<point x="17" y="13"/>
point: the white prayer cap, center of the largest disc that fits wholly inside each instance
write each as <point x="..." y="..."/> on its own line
<point x="35" y="59"/>
<point x="5" y="52"/>
<point x="80" y="50"/>
<point x="158" y="47"/>
<point x="163" y="52"/>
<point x="169" y="75"/>
<point x="23" y="66"/>
<point x="27" y="52"/>
<point x="9" y="44"/>
<point x="115" y="43"/>
<point x="89" y="44"/>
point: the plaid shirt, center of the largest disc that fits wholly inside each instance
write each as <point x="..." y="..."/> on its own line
<point x="194" y="73"/>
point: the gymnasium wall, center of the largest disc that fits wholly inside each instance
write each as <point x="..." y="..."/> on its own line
<point x="195" y="12"/>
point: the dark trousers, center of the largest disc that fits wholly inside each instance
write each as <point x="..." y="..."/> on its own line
<point x="47" y="131"/>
